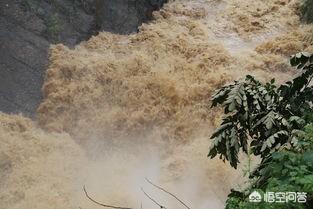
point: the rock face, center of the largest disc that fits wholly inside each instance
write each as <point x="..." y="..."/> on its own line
<point x="28" y="27"/>
<point x="124" y="16"/>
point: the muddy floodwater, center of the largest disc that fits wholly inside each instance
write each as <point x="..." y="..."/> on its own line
<point x="121" y="108"/>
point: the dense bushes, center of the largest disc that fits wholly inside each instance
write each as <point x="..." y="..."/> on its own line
<point x="286" y="171"/>
<point x="274" y="123"/>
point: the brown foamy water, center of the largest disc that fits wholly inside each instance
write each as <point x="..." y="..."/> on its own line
<point x="119" y="108"/>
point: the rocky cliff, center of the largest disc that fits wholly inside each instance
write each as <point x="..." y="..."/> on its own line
<point x="28" y="27"/>
<point x="124" y="16"/>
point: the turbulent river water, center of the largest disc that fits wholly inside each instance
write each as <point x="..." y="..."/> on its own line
<point x="120" y="108"/>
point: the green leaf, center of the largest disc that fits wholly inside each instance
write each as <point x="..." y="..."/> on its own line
<point x="221" y="129"/>
<point x="232" y="106"/>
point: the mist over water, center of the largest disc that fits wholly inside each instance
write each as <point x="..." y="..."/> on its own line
<point x="117" y="176"/>
<point x="121" y="108"/>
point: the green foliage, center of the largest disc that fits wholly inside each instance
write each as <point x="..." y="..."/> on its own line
<point x="282" y="171"/>
<point x="306" y="141"/>
<point x="237" y="203"/>
<point x="53" y="27"/>
<point x="289" y="170"/>
<point x="309" y="133"/>
<point x="307" y="10"/>
<point x="263" y="117"/>
<point x="286" y="171"/>
<point x="269" y="121"/>
<point x="30" y="5"/>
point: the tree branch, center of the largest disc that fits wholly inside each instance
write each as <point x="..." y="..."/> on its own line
<point x="160" y="188"/>
<point x="103" y="205"/>
<point x="158" y="204"/>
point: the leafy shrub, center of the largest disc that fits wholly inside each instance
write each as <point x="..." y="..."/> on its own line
<point x="53" y="27"/>
<point x="30" y="5"/>
<point x="269" y="121"/>
<point x="285" y="171"/>
<point x="263" y="118"/>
